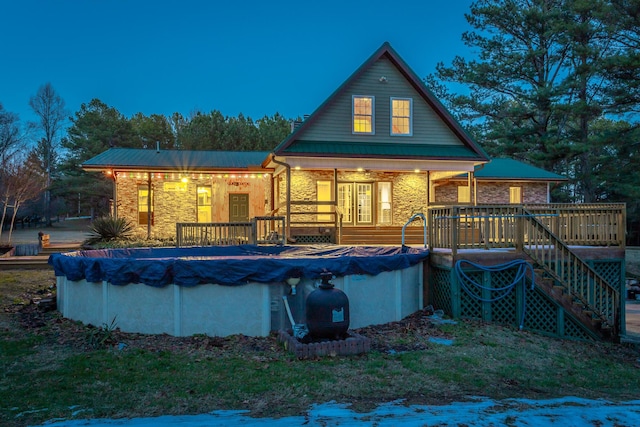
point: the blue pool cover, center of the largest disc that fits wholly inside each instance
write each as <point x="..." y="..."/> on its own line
<point x="229" y="265"/>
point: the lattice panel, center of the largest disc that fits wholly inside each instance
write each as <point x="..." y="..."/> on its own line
<point x="302" y="239"/>
<point x="504" y="310"/>
<point x="441" y="290"/>
<point x="470" y="306"/>
<point x="574" y="330"/>
<point x="540" y="314"/>
<point x="610" y="271"/>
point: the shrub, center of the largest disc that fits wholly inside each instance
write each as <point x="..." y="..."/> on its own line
<point x="108" y="228"/>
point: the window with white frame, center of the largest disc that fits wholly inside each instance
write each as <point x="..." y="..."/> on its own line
<point x="144" y="202"/>
<point x="363" y="114"/>
<point x="401" y="122"/>
<point x="384" y="202"/>
<point x="204" y="203"/>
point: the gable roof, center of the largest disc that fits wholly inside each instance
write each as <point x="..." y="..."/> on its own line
<point x="185" y="160"/>
<point x="510" y="169"/>
<point x="293" y="145"/>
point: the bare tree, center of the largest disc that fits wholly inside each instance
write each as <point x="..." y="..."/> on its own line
<point x="52" y="115"/>
<point x="11" y="139"/>
<point x="21" y="179"/>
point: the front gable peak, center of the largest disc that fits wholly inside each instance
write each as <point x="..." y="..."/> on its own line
<point x="382" y="104"/>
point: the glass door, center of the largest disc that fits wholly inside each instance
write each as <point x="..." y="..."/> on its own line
<point x="364" y="212"/>
<point x="345" y="202"/>
<point x="355" y="201"/>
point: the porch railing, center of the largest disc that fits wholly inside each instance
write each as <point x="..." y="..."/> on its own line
<point x="260" y="230"/>
<point x="486" y="227"/>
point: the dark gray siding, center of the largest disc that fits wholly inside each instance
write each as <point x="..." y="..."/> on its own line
<point x="335" y="122"/>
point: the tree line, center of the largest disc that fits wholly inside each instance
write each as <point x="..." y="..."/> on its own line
<point x="555" y="83"/>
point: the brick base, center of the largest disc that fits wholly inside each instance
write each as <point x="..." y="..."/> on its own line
<point x="353" y="344"/>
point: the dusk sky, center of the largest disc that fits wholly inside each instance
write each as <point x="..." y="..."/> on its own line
<point x="254" y="57"/>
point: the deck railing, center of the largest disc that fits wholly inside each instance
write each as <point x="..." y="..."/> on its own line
<point x="486" y="226"/>
<point x="260" y="230"/>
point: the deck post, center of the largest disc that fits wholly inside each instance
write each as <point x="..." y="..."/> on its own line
<point x="455" y="224"/>
<point x="487" y="305"/>
<point x="519" y="229"/>
<point x="456" y="296"/>
<point x="622" y="227"/>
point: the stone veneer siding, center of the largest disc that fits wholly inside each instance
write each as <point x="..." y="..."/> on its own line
<point x="409" y="191"/>
<point x="171" y="207"/>
<point x="493" y="192"/>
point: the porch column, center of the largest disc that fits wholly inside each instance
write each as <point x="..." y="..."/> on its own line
<point x="472" y="188"/>
<point x="114" y="212"/>
<point x="288" y="201"/>
<point x="149" y="213"/>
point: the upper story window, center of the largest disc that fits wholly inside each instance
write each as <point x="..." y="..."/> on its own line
<point x="363" y="116"/>
<point x="401" y="111"/>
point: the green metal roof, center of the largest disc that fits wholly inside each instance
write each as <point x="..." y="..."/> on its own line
<point x="513" y="169"/>
<point x="374" y="149"/>
<point x="131" y="158"/>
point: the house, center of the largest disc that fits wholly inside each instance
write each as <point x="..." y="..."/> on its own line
<point x="378" y="152"/>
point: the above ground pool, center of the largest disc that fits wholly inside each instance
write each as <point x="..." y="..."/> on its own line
<point x="226" y="290"/>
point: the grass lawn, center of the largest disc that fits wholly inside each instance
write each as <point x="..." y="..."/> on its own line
<point x="52" y="367"/>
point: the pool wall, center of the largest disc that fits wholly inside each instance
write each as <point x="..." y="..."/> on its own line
<point x="252" y="309"/>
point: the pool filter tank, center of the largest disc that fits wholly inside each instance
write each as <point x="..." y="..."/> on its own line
<point x="327" y="310"/>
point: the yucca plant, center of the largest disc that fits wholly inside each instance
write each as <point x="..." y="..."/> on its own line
<point x="108" y="228"/>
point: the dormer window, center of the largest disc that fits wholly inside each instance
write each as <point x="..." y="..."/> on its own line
<point x="401" y="120"/>
<point x="363" y="117"/>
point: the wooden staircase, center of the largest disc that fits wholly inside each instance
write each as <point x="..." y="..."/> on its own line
<point x="567" y="279"/>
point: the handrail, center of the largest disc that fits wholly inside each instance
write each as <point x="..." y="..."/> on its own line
<point x="574" y="275"/>
<point x="338" y="219"/>
<point x="424" y="225"/>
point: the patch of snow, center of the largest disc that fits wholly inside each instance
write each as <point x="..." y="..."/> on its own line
<point x="477" y="412"/>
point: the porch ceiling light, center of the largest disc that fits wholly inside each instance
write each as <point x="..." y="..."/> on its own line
<point x="185" y="179"/>
<point x="416" y="170"/>
<point x="359" y="169"/>
<point x="297" y="168"/>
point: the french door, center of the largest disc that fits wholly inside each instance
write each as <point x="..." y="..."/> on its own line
<point x="355" y="201"/>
